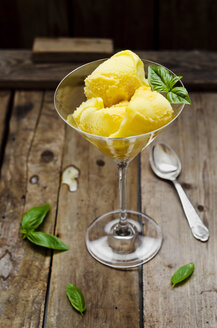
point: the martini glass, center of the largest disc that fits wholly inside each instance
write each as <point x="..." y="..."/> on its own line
<point x="122" y="238"/>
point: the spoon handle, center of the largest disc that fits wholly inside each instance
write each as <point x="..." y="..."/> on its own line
<point x="198" y="229"/>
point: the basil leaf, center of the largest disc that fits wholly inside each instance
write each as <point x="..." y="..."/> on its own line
<point x="76" y="298"/>
<point x="33" y="218"/>
<point x="162" y="80"/>
<point x="46" y="240"/>
<point x="179" y="95"/>
<point x="159" y="78"/>
<point x="182" y="273"/>
<point x="174" y="80"/>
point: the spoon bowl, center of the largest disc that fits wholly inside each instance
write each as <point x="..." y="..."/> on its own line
<point x="164" y="162"/>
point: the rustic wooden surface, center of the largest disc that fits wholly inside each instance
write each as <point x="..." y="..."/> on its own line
<point x="23" y="268"/>
<point x="37" y="146"/>
<point x="71" y="49"/>
<point x="193" y="137"/>
<point x="199" y="69"/>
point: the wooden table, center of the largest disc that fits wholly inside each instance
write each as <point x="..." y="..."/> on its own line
<point x="36" y="146"/>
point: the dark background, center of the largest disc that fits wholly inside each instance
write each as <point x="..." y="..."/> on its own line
<point x="133" y="24"/>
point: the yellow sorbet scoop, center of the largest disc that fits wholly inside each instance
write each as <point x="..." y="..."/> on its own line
<point x="116" y="79"/>
<point x="147" y="111"/>
<point x="92" y="117"/>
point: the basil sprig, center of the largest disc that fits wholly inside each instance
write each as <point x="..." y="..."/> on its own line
<point x="76" y="298"/>
<point x="162" y="80"/>
<point x="31" y="220"/>
<point x="182" y="273"/>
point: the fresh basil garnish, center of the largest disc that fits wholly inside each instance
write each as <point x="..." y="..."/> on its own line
<point x="174" y="80"/>
<point x="76" y="298"/>
<point x="182" y="273"/>
<point x="161" y="80"/>
<point x="45" y="240"/>
<point x="178" y="95"/>
<point x="33" y="218"/>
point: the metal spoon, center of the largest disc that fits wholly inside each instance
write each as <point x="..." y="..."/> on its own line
<point x="166" y="165"/>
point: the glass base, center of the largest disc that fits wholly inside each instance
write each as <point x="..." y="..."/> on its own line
<point x="123" y="247"/>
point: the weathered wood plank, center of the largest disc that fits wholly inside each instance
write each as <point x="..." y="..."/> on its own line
<point x="34" y="149"/>
<point x="168" y="24"/>
<point x="20" y="72"/>
<point x="71" y="49"/>
<point x="179" y="29"/>
<point x="193" y="137"/>
<point x="112" y="296"/>
<point x="199" y="69"/>
<point x="4" y="107"/>
<point x="24" y="21"/>
<point x="110" y="18"/>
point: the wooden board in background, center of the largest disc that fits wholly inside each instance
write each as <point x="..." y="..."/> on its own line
<point x="30" y="177"/>
<point x="112" y="296"/>
<point x="71" y="49"/>
<point x="193" y="136"/>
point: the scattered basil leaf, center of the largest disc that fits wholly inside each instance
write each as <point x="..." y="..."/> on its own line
<point x="33" y="218"/>
<point x="45" y="240"/>
<point x="182" y="273"/>
<point x="76" y="298"/>
<point x="161" y="80"/>
<point x="179" y="95"/>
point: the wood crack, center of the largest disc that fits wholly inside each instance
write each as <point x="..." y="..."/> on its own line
<point x="30" y="146"/>
<point x="214" y="290"/>
<point x="6" y="128"/>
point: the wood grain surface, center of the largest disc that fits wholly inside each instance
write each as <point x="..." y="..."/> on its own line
<point x="199" y="69"/>
<point x="193" y="304"/>
<point x="30" y="177"/>
<point x="112" y="296"/>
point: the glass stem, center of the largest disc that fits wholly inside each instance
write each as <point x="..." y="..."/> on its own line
<point x="122" y="170"/>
